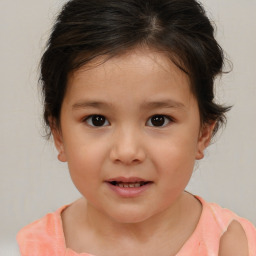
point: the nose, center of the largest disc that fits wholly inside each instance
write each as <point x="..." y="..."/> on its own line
<point x="127" y="147"/>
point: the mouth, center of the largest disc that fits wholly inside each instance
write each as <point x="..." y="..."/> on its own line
<point x="129" y="187"/>
<point x="129" y="184"/>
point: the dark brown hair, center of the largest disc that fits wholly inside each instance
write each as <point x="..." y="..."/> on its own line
<point x="86" y="29"/>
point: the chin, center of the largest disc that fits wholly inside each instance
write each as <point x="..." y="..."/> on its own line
<point x="130" y="216"/>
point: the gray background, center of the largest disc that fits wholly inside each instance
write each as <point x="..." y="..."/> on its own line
<point x="33" y="182"/>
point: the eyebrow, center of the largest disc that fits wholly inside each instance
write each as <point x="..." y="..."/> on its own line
<point x="93" y="104"/>
<point x="168" y="103"/>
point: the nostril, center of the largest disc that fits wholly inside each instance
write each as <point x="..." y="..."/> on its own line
<point x="127" y="152"/>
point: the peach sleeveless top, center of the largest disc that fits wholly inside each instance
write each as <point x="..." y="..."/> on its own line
<point x="45" y="237"/>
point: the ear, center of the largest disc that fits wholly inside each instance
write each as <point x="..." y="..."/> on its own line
<point x="58" y="140"/>
<point x="204" y="139"/>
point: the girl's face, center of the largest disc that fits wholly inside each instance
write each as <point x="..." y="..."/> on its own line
<point x="130" y="132"/>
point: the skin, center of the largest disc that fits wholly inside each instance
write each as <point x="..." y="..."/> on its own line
<point x="122" y="89"/>
<point x="234" y="241"/>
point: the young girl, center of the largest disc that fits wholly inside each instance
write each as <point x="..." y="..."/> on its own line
<point x="129" y="100"/>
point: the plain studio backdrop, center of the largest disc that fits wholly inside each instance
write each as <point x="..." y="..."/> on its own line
<point x="33" y="182"/>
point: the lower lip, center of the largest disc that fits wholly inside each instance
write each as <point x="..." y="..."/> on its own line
<point x="129" y="192"/>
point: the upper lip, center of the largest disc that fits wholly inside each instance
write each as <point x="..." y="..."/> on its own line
<point x="127" y="179"/>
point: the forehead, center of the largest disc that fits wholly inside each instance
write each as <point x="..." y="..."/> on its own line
<point x="140" y="70"/>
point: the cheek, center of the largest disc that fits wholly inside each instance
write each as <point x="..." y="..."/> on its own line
<point x="85" y="161"/>
<point x="84" y="170"/>
<point x="175" y="161"/>
<point x="84" y="149"/>
<point x="178" y="151"/>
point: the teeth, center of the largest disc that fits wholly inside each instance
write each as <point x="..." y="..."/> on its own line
<point x="129" y="185"/>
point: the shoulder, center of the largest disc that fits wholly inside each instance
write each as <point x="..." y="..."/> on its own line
<point x="234" y="241"/>
<point x="43" y="235"/>
<point x="237" y="235"/>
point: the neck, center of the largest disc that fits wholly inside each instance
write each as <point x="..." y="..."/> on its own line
<point x="167" y="221"/>
<point x="90" y="230"/>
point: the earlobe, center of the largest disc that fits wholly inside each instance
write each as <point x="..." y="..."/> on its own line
<point x="58" y="141"/>
<point x="62" y="157"/>
<point x="204" y="139"/>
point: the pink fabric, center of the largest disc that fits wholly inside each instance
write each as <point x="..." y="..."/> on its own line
<point x="45" y="237"/>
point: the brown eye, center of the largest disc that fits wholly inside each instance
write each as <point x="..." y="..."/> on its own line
<point x="97" y="121"/>
<point x="158" y="121"/>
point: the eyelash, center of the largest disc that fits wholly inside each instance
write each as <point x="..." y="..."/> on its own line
<point x="167" y="119"/>
<point x="101" y="118"/>
<point x="89" y="119"/>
